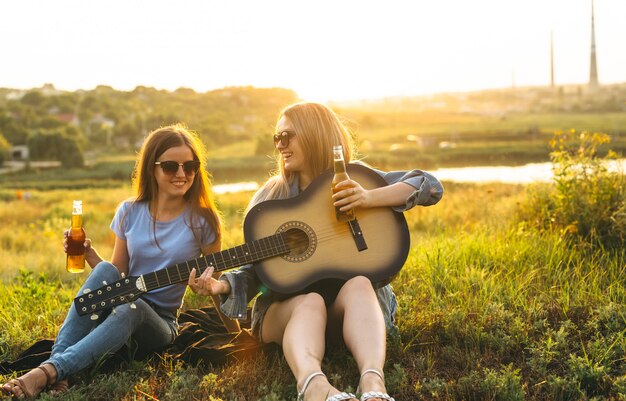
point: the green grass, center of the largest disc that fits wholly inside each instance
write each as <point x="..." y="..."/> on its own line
<point x="489" y="307"/>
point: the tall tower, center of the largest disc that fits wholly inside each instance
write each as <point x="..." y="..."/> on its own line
<point x="593" y="68"/>
<point x="551" y="60"/>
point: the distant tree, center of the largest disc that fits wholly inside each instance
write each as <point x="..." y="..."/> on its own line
<point x="33" y="98"/>
<point x="23" y="115"/>
<point x="14" y="133"/>
<point x="263" y="145"/>
<point x="73" y="132"/>
<point x="50" y="122"/>
<point x="185" y="91"/>
<point x="73" y="155"/>
<point x="55" y="145"/>
<point x="128" y="132"/>
<point x="104" y="89"/>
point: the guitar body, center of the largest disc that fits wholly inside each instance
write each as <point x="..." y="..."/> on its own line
<point x="322" y="247"/>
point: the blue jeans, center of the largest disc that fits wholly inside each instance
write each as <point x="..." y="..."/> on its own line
<point x="82" y="342"/>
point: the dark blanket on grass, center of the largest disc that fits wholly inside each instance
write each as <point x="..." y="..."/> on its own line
<point x="202" y="339"/>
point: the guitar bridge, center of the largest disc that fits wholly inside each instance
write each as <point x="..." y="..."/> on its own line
<point x="357" y="234"/>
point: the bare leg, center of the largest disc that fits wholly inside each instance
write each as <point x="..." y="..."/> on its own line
<point x="363" y="329"/>
<point x="298" y="324"/>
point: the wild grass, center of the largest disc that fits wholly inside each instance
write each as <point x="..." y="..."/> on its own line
<point x="491" y="307"/>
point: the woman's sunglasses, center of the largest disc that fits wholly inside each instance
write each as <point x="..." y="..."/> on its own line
<point x="170" y="167"/>
<point x="283" y="137"/>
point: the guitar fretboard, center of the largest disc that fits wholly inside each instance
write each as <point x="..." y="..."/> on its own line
<point x="254" y="251"/>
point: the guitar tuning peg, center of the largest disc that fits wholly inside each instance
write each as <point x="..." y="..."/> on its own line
<point x="86" y="291"/>
<point x="104" y="282"/>
<point x="94" y="317"/>
<point x="123" y="275"/>
<point x="113" y="311"/>
<point x="132" y="305"/>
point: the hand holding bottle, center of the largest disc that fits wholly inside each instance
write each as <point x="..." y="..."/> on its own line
<point x="75" y="239"/>
<point x="91" y="255"/>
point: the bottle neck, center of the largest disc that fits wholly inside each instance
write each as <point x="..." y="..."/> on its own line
<point x="77" y="220"/>
<point x="339" y="166"/>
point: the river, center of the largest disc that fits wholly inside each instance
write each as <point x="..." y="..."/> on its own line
<point x="526" y="174"/>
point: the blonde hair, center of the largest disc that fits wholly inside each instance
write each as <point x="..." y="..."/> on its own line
<point x="318" y="129"/>
<point x="199" y="195"/>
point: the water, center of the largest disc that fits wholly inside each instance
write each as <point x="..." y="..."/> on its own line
<point x="527" y="174"/>
<point x="235" y="187"/>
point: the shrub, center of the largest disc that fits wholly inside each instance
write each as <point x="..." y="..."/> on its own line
<point x="586" y="199"/>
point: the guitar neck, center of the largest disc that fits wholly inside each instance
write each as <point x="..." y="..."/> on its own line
<point x="254" y="251"/>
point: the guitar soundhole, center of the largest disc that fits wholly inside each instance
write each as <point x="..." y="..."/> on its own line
<point x="301" y="239"/>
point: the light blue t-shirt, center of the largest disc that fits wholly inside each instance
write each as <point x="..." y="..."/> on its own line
<point x="176" y="244"/>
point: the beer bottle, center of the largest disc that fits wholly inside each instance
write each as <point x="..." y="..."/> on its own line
<point x="75" y="240"/>
<point x="340" y="175"/>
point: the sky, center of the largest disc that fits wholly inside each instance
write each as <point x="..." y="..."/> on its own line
<point x="325" y="50"/>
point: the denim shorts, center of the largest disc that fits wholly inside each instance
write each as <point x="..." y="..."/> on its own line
<point x="386" y="299"/>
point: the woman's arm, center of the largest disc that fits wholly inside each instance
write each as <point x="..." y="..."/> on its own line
<point x="405" y="190"/>
<point x="354" y="195"/>
<point x="120" y="257"/>
<point x="92" y="257"/>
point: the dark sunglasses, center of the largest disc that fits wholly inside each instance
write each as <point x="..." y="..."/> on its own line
<point x="283" y="137"/>
<point x="170" y="167"/>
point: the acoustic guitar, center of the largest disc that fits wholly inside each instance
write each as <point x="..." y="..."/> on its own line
<point x="293" y="242"/>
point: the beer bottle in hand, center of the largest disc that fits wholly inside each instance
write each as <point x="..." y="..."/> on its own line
<point x="340" y="175"/>
<point x="75" y="240"/>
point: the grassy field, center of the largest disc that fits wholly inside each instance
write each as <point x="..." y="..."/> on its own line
<point x="491" y="308"/>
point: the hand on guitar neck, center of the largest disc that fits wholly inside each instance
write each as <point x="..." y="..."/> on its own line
<point x="206" y="284"/>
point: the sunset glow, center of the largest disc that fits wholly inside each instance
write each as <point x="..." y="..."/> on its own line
<point x="324" y="50"/>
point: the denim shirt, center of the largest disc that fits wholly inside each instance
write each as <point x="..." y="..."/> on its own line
<point x="245" y="284"/>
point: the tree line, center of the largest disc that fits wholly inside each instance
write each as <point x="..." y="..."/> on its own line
<point x="62" y="125"/>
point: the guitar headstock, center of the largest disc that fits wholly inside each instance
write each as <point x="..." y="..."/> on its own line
<point x="109" y="295"/>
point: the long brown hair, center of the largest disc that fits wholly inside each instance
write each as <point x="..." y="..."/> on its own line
<point x="318" y="129"/>
<point x="199" y="195"/>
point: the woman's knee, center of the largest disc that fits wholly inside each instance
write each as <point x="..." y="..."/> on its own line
<point x="105" y="271"/>
<point x="279" y="315"/>
<point x="311" y="302"/>
<point x="357" y="285"/>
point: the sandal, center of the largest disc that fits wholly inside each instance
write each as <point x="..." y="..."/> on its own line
<point x="58" y="388"/>
<point x="374" y="394"/>
<point x="336" y="397"/>
<point x="19" y="383"/>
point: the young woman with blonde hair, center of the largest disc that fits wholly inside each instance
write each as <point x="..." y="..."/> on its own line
<point x="352" y="310"/>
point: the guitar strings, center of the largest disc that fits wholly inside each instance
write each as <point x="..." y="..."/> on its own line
<point x="328" y="233"/>
<point x="269" y="246"/>
<point x="278" y="244"/>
